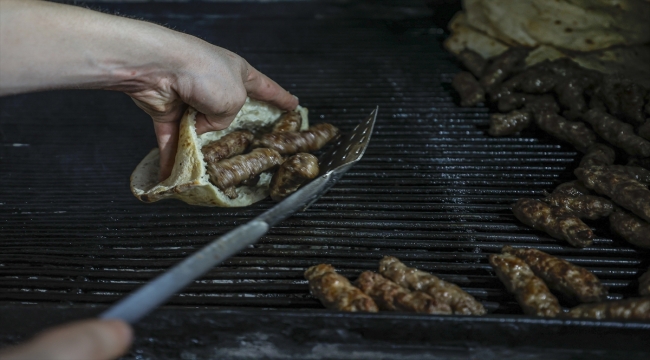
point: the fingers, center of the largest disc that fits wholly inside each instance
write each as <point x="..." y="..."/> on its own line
<point x="167" y="136"/>
<point x="205" y="123"/>
<point x="84" y="340"/>
<point x="260" y="87"/>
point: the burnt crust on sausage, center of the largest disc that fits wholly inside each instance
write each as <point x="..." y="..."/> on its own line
<point x="289" y="121"/>
<point x="532" y="294"/>
<point x="295" y="171"/>
<point x="460" y="302"/>
<point x="556" y="222"/>
<point x="562" y="276"/>
<point x="335" y="291"/>
<point x="620" y="188"/>
<point x="228" y="146"/>
<point x="573" y="132"/>
<point x="628" y="309"/>
<point x="598" y="154"/>
<point x="291" y="142"/>
<point x="583" y="206"/>
<point x="472" y="61"/>
<point x="470" y="91"/>
<point x="630" y="228"/>
<point x="509" y="124"/>
<point x="233" y="171"/>
<point x="390" y="296"/>
<point x="617" y="133"/>
<point x="572" y="188"/>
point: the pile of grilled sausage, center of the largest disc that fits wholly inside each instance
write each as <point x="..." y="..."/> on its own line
<point x="526" y="273"/>
<point x="395" y="288"/>
<point x="241" y="156"/>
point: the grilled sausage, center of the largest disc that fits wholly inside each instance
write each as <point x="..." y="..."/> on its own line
<point x="560" y="275"/>
<point x="644" y="284"/>
<point x="291" y="142"/>
<point x="617" y="133"/>
<point x="575" y="133"/>
<point x="472" y="61"/>
<point x="634" y="172"/>
<point x="289" y="121"/>
<point x="444" y="292"/>
<point x="532" y="294"/>
<point x="644" y="130"/>
<point x="631" y="97"/>
<point x="230" y="145"/>
<point x="470" y="91"/>
<point x="628" y="309"/>
<point x="572" y="188"/>
<point x="598" y="154"/>
<point x="294" y="172"/>
<point x="622" y="189"/>
<point x="584" y="206"/>
<point x="501" y="66"/>
<point x="544" y="103"/>
<point x="631" y="228"/>
<point x="390" y="296"/>
<point x="232" y="172"/>
<point x="556" y="222"/>
<point x="335" y="291"/>
<point x="508" y="124"/>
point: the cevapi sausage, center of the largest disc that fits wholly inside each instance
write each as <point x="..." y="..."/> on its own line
<point x="335" y="291"/>
<point x="231" y="172"/>
<point x="289" y="121"/>
<point x="294" y="172"/>
<point x="291" y="142"/>
<point x="228" y="146"/>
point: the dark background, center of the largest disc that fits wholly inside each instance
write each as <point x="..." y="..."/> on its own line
<point x="433" y="189"/>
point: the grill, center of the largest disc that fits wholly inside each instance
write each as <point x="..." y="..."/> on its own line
<point x="433" y="189"/>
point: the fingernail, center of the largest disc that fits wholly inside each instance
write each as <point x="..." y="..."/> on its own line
<point x="296" y="98"/>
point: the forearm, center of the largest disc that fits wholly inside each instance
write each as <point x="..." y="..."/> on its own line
<point x="53" y="46"/>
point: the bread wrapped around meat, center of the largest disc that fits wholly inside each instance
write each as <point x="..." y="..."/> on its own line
<point x="189" y="180"/>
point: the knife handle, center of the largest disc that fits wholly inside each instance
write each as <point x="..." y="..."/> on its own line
<point x="141" y="302"/>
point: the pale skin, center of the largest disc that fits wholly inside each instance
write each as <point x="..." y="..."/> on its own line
<point x="47" y="46"/>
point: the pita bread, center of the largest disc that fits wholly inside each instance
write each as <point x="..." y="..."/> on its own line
<point x="578" y="25"/>
<point x="189" y="180"/>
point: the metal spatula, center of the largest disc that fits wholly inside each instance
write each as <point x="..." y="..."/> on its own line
<point x="333" y="164"/>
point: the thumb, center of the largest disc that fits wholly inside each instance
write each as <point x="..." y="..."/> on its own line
<point x="83" y="340"/>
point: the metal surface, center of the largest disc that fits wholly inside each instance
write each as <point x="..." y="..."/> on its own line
<point x="336" y="162"/>
<point x="433" y="189"/>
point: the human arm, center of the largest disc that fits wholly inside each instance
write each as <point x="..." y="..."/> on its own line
<point x="83" y="340"/>
<point x="53" y="46"/>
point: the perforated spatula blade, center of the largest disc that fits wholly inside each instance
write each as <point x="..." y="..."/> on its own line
<point x="333" y="164"/>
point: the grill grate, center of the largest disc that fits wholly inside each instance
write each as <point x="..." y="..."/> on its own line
<point x="433" y="188"/>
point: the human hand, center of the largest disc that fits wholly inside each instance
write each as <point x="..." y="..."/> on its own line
<point x="83" y="340"/>
<point x="214" y="81"/>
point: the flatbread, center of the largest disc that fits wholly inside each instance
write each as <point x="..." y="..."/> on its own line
<point x="189" y="180"/>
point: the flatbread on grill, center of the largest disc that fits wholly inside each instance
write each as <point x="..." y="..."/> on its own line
<point x="189" y="180"/>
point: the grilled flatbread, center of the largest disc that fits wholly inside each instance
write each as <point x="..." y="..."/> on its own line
<point x="189" y="180"/>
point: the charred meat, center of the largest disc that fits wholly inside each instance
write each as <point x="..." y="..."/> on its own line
<point x="510" y="123"/>
<point x="575" y="133"/>
<point x="335" y="291"/>
<point x="584" y="206"/>
<point x="598" y="154"/>
<point x="295" y="171"/>
<point x="291" y="142"/>
<point x="622" y="189"/>
<point x="501" y="66"/>
<point x="556" y="222"/>
<point x="628" y="309"/>
<point x="532" y="294"/>
<point x="473" y="62"/>
<point x="390" y="296"/>
<point x="470" y="91"/>
<point x="233" y="171"/>
<point x="562" y="276"/>
<point x="289" y="121"/>
<point x="228" y="146"/>
<point x="444" y="292"/>
<point x="631" y="228"/>
<point x="617" y="133"/>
